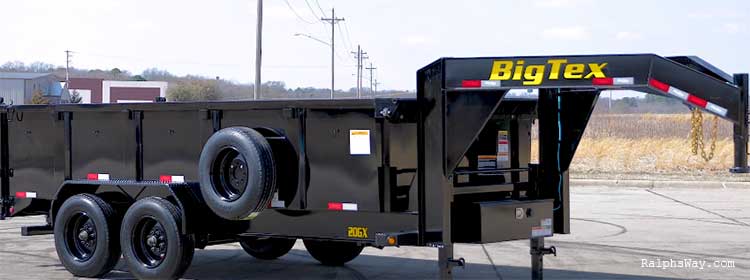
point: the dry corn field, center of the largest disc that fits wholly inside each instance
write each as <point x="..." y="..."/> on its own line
<point x="649" y="146"/>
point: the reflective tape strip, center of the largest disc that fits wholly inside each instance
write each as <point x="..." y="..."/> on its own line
<point x="687" y="97"/>
<point x="172" y="179"/>
<point x="335" y="206"/>
<point x="676" y="92"/>
<point x="338" y="206"/>
<point x="471" y="83"/>
<point x="25" y="194"/>
<point x="490" y="84"/>
<point x="700" y="102"/>
<point x="716" y="109"/>
<point x="658" y="85"/>
<point x="480" y="84"/>
<point x="97" y="176"/>
<point x="616" y="81"/>
<point x="623" y="81"/>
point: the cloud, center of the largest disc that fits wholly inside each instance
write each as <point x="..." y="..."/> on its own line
<point x="628" y="36"/>
<point x="731" y="28"/>
<point x="416" y="40"/>
<point x="715" y="14"/>
<point x="557" y="3"/>
<point x="278" y="13"/>
<point x="566" y="33"/>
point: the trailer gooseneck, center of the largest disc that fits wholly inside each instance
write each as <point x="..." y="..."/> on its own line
<point x="154" y="181"/>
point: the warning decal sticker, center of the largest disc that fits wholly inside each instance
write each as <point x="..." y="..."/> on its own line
<point x="359" y="142"/>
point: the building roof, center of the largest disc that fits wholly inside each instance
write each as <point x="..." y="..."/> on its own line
<point x="22" y="76"/>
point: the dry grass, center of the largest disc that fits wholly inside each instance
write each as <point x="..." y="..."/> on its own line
<point x="647" y="145"/>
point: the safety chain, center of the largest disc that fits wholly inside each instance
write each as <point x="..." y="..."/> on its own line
<point x="696" y="135"/>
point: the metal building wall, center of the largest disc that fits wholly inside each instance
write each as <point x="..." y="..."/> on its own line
<point x="12" y="90"/>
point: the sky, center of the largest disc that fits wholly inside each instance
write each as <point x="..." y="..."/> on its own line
<point x="217" y="38"/>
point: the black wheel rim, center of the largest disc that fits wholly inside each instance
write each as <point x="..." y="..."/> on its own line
<point x="81" y="236"/>
<point x="229" y="174"/>
<point x="150" y="242"/>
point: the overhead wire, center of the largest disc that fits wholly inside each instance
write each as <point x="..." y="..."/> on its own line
<point x="297" y="14"/>
<point x="319" y="8"/>
<point x="313" y="11"/>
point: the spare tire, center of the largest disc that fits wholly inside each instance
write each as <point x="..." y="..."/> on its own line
<point x="237" y="173"/>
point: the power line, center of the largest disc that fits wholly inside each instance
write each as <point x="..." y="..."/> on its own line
<point x="348" y="36"/>
<point x="319" y="8"/>
<point x="346" y="44"/>
<point x="313" y="11"/>
<point x="296" y="14"/>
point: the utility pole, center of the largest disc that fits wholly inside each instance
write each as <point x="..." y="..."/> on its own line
<point x="376" y="87"/>
<point x="258" y="50"/>
<point x="68" y="56"/>
<point x="371" y="77"/>
<point x="359" y="55"/>
<point x="333" y="20"/>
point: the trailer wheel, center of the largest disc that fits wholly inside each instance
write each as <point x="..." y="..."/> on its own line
<point x="237" y="173"/>
<point x="86" y="236"/>
<point x="267" y="248"/>
<point x="333" y="253"/>
<point x="152" y="244"/>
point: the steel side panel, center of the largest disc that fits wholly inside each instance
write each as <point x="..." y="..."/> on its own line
<point x="335" y="174"/>
<point x="36" y="154"/>
<point x="103" y="142"/>
<point x="330" y="224"/>
<point x="172" y="143"/>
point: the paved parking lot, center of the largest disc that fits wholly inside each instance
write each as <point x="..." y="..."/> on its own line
<point x="617" y="234"/>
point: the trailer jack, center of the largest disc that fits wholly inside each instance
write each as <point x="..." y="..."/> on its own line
<point x="537" y="256"/>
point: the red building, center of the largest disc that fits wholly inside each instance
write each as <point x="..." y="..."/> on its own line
<point x="105" y="91"/>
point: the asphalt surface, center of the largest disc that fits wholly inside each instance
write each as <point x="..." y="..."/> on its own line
<point x="617" y="234"/>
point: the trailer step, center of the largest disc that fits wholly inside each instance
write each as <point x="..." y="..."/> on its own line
<point x="466" y="171"/>
<point x="36" y="230"/>
<point x="483" y="189"/>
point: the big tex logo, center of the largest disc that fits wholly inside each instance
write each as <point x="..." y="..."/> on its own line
<point x="533" y="74"/>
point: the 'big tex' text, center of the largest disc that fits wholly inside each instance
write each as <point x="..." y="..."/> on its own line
<point x="532" y="74"/>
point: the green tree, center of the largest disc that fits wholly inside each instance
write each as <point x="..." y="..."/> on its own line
<point x="115" y="72"/>
<point x="138" y="78"/>
<point x="38" y="97"/>
<point x="194" y="90"/>
<point x="75" y="97"/>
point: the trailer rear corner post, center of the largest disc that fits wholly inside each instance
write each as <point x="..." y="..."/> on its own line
<point x="740" y="127"/>
<point x="5" y="202"/>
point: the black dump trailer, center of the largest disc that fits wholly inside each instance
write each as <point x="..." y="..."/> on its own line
<point x="154" y="181"/>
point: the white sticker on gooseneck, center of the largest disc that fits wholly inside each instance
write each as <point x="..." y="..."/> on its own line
<point x="359" y="142"/>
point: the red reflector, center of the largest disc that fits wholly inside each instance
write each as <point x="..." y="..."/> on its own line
<point x="471" y="83"/>
<point x="165" y="178"/>
<point x="335" y="206"/>
<point x="697" y="101"/>
<point x="603" y="81"/>
<point x="658" y="85"/>
<point x="20" y="194"/>
<point x="92" y="176"/>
